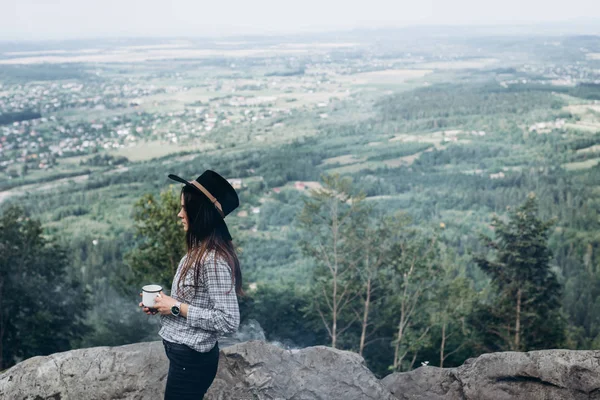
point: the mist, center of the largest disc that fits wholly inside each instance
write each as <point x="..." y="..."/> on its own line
<point x="70" y="19"/>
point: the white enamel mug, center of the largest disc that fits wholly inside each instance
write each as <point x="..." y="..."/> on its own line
<point x="149" y="294"/>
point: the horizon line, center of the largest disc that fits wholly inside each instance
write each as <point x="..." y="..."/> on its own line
<point x="324" y="31"/>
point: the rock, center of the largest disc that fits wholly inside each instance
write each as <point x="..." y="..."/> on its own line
<point x="536" y="375"/>
<point x="268" y="372"/>
<point x="425" y="383"/>
<point x="261" y="371"/>
<point x="545" y="374"/>
<point x="250" y="370"/>
<point x="135" y="371"/>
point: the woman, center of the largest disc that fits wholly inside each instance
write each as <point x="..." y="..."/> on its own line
<point x="203" y="305"/>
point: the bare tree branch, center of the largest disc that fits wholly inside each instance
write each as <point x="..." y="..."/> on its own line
<point x="325" y="323"/>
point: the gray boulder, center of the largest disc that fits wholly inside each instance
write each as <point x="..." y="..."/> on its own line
<point x="260" y="371"/>
<point x="425" y="383"/>
<point x="536" y="375"/>
<point x="135" y="371"/>
<point x="257" y="370"/>
<point x="249" y="370"/>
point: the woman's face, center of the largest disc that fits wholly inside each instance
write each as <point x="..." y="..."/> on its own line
<point x="183" y="215"/>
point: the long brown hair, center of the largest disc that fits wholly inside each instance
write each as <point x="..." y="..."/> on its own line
<point x="207" y="231"/>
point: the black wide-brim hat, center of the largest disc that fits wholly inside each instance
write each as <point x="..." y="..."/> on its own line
<point x="216" y="189"/>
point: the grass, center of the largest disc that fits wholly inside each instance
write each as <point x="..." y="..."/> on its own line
<point x="149" y="150"/>
<point x="583" y="127"/>
<point x="343" y="160"/>
<point x="460" y="64"/>
<point x="434" y="137"/>
<point x="574" y="166"/>
<point x="41" y="187"/>
<point x="73" y="161"/>
<point x="79" y="226"/>
<point x="77" y="114"/>
<point x="385" y="79"/>
<point x="400" y="196"/>
<point x="348" y="169"/>
<point x="406" y="160"/>
<point x="591" y="149"/>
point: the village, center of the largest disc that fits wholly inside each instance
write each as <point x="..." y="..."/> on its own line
<point x="160" y="113"/>
<point x="113" y="117"/>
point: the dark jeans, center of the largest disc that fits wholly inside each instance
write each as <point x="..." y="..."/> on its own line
<point x="190" y="372"/>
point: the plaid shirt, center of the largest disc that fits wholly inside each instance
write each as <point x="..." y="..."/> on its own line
<point x="212" y="311"/>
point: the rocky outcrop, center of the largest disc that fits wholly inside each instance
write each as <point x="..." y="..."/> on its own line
<point x="136" y="371"/>
<point x="425" y="383"/>
<point x="269" y="372"/>
<point x="537" y="375"/>
<point x="260" y="371"/>
<point x="250" y="370"/>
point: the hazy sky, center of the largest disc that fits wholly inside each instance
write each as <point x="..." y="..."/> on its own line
<point x="51" y="19"/>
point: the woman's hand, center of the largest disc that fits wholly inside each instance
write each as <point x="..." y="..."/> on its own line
<point x="149" y="311"/>
<point x="163" y="303"/>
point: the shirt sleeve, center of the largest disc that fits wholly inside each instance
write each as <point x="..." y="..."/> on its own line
<point x="224" y="316"/>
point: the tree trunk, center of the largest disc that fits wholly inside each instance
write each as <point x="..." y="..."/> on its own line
<point x="334" y="313"/>
<point x="518" y="322"/>
<point x="404" y="315"/>
<point x="399" y="339"/>
<point x="412" y="362"/>
<point x="334" y="229"/>
<point x="365" y="317"/>
<point x="443" y="345"/>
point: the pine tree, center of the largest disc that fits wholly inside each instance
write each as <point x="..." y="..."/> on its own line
<point x="524" y="311"/>
<point x="161" y="239"/>
<point x="41" y="309"/>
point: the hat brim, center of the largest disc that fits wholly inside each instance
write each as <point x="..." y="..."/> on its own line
<point x="178" y="179"/>
<point x="187" y="183"/>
